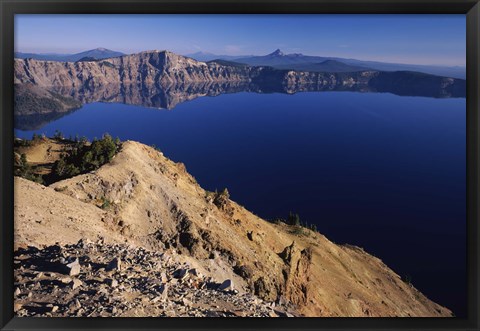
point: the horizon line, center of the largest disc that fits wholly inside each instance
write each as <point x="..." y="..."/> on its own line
<point x="239" y="55"/>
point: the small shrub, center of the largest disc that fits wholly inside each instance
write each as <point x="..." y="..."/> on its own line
<point x="407" y="279"/>
<point x="278" y="221"/>
<point x="22" y="142"/>
<point x="221" y="199"/>
<point x="105" y="203"/>
<point x="58" y="135"/>
<point x="60" y="189"/>
<point x="298" y="230"/>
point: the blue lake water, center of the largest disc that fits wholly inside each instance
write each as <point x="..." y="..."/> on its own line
<point x="380" y="171"/>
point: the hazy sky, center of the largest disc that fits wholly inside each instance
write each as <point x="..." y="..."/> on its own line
<point x="419" y="39"/>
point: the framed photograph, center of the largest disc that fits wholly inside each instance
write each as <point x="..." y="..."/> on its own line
<point x="173" y="165"/>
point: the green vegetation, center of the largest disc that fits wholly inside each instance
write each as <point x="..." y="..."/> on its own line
<point x="221" y="198"/>
<point x="407" y="279"/>
<point x="154" y="147"/>
<point x="79" y="156"/>
<point x="105" y="203"/>
<point x="28" y="101"/>
<point x="25" y="170"/>
<point x="298" y="230"/>
<point x="297" y="226"/>
<point x="293" y="219"/>
<point x="58" y="135"/>
<point x="27" y="143"/>
<point x="82" y="157"/>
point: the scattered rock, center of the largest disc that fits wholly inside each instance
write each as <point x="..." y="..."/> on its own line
<point x="186" y="302"/>
<point x="272" y="314"/>
<point x="66" y="280"/>
<point x="17" y="306"/>
<point x="74" y="267"/>
<point x="137" y="290"/>
<point x="112" y="282"/>
<point x="227" y="285"/>
<point x="115" y="264"/>
<point x="180" y="273"/>
<point x="163" y="277"/>
<point x="164" y="292"/>
<point x="194" y="272"/>
<point x="76" y="283"/>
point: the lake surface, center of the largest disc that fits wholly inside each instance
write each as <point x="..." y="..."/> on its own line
<point x="376" y="170"/>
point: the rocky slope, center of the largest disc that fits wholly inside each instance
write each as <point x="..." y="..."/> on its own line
<point x="144" y="283"/>
<point x="156" y="205"/>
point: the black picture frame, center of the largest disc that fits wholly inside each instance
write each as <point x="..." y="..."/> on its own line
<point x="471" y="8"/>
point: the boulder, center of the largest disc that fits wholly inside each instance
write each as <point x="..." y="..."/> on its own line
<point x="180" y="273"/>
<point x="227" y="285"/>
<point x="76" y="283"/>
<point x="74" y="267"/>
<point x="163" y="277"/>
<point x="164" y="292"/>
<point x="111" y="282"/>
<point x="115" y="264"/>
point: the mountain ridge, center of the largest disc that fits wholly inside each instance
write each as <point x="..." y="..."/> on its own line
<point x="97" y="53"/>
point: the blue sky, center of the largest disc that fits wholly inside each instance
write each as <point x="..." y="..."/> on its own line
<point x="418" y="39"/>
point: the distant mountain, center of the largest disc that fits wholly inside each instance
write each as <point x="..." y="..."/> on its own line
<point x="325" y="66"/>
<point x="279" y="58"/>
<point x="298" y="61"/>
<point x="97" y="53"/>
<point x="42" y="57"/>
<point x="205" y="56"/>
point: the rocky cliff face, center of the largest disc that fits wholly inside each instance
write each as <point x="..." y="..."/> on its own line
<point x="164" y="69"/>
<point x="145" y="69"/>
<point x="156" y="204"/>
